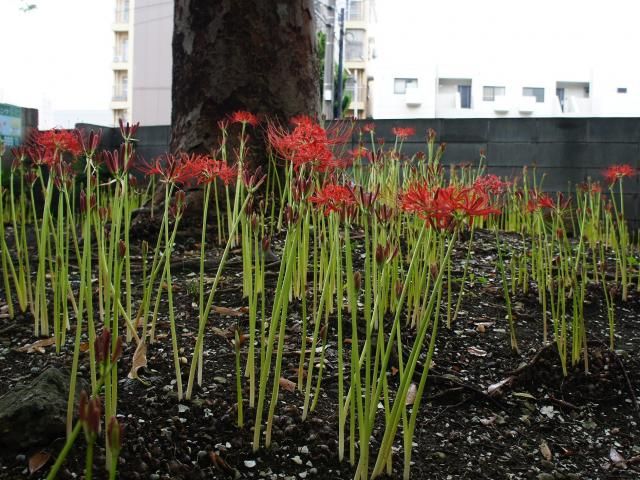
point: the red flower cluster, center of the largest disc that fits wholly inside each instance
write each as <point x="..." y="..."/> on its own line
<point x="184" y="169"/>
<point x="307" y="144"/>
<point x="403" y="132"/>
<point x="333" y="198"/>
<point x="244" y="118"/>
<point x="590" y="187"/>
<point x="538" y="202"/>
<point x="205" y="169"/>
<point x="171" y="169"/>
<point x="490" y="184"/>
<point x="441" y="206"/>
<point x="542" y="200"/>
<point x="615" y="172"/>
<point x="50" y="144"/>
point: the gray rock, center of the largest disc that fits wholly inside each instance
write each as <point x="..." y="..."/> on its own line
<point x="545" y="476"/>
<point x="35" y="414"/>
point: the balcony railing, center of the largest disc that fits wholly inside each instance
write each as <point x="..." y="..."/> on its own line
<point x="120" y="56"/>
<point x="355" y="11"/>
<point x="356" y="93"/>
<point x="119" y="94"/>
<point x="122" y="15"/>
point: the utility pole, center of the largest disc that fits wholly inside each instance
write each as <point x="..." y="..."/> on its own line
<point x="327" y="87"/>
<point x="337" y="106"/>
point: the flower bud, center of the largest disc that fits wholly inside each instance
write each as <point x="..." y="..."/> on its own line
<point x="399" y="286"/>
<point x="266" y="243"/>
<point x="90" y="411"/>
<point x="101" y="346"/>
<point x="117" y="352"/>
<point x="357" y="280"/>
<point x="114" y="434"/>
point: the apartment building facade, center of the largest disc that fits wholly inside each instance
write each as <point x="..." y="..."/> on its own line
<point x="142" y="61"/>
<point x="358" y="53"/>
<point x="449" y="91"/>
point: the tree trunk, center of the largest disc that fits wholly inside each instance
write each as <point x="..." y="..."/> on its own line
<point x="228" y="55"/>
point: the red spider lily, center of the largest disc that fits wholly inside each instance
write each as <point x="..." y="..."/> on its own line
<point x="172" y="169"/>
<point x="201" y="168"/>
<point x="244" y="118"/>
<point x="128" y="131"/>
<point x="490" y="184"/>
<point x="590" y="187"/>
<point x="545" y="201"/>
<point x="539" y="201"/>
<point x="441" y="206"/>
<point x="307" y="144"/>
<point x="368" y="128"/>
<point x="615" y="172"/>
<point x="331" y="164"/>
<point x="226" y="173"/>
<point x="333" y="198"/>
<point x="51" y="144"/>
<point x="403" y="132"/>
<point x="476" y="204"/>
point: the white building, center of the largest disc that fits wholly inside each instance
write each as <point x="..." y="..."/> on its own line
<point x="142" y="60"/>
<point x="492" y="59"/>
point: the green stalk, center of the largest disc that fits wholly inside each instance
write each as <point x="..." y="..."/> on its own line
<point x="207" y="310"/>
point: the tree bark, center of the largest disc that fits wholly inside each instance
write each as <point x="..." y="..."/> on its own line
<point x="228" y="55"/>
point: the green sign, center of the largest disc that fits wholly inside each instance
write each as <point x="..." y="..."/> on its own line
<point x="10" y="125"/>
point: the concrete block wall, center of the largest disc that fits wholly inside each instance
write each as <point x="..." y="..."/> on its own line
<point x="566" y="151"/>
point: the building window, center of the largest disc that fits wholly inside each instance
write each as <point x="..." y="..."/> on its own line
<point x="400" y="85"/>
<point x="622" y="89"/>
<point x="354" y="45"/>
<point x="536" y="92"/>
<point x="465" y="96"/>
<point x="355" y="10"/>
<point x="489" y="94"/>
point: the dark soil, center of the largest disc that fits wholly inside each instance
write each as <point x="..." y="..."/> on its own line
<point x="585" y="420"/>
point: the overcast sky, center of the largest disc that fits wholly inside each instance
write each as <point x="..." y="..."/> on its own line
<point x="61" y="51"/>
<point x="588" y="33"/>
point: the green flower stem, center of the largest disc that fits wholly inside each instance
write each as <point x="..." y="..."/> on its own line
<point x="207" y="310"/>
